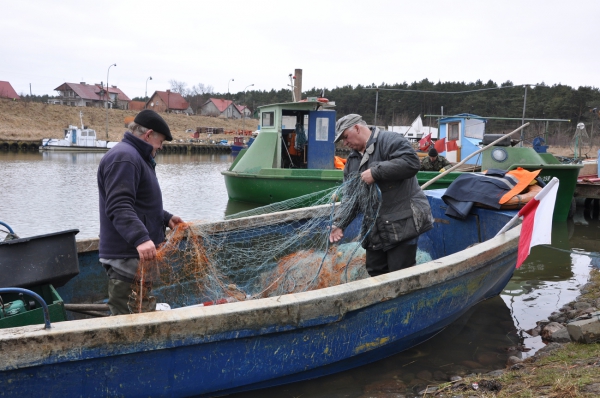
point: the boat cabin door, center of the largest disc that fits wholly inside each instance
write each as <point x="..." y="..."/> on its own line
<point x="453" y="133"/>
<point x="321" y="133"/>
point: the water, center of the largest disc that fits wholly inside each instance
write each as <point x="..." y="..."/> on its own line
<point x="50" y="192"/>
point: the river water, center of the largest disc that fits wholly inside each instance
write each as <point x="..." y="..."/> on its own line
<point x="50" y="192"/>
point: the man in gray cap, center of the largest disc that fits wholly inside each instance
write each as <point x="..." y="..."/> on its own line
<point x="132" y="218"/>
<point x="387" y="159"/>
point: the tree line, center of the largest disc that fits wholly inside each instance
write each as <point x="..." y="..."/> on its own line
<point x="579" y="105"/>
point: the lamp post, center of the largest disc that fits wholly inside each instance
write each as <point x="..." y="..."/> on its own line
<point x="244" y="116"/>
<point x="146" y="93"/>
<point x="108" y="98"/>
<point x="230" y="80"/>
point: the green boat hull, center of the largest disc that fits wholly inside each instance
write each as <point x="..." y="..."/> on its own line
<point x="276" y="185"/>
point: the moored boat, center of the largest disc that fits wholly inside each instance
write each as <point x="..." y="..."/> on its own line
<point x="239" y="346"/>
<point x="77" y="139"/>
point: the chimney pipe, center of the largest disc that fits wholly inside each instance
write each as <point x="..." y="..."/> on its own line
<point x="298" y="84"/>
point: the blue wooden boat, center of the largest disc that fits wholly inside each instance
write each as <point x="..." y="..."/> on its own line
<point x="221" y="349"/>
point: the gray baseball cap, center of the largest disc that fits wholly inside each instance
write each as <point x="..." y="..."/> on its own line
<point x="345" y="123"/>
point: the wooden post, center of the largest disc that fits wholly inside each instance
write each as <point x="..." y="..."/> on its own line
<point x="298" y="84"/>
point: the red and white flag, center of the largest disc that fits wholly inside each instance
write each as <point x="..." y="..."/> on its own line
<point x="537" y="220"/>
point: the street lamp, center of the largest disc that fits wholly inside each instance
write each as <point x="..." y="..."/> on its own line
<point x="108" y="98"/>
<point x="244" y="116"/>
<point x="146" y="94"/>
<point x="230" y="80"/>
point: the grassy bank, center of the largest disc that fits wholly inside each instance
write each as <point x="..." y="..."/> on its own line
<point x="34" y="121"/>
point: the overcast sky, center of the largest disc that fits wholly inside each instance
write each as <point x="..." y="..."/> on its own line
<point x="336" y="43"/>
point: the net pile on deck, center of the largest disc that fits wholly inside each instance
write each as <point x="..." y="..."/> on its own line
<point x="269" y="251"/>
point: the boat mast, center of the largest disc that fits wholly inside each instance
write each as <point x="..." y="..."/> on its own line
<point x="81" y="119"/>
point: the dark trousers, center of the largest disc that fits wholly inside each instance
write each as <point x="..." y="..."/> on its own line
<point x="123" y="294"/>
<point x="401" y="256"/>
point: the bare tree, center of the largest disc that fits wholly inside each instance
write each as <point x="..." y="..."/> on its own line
<point x="178" y="87"/>
<point x="201" y="89"/>
<point x="198" y="94"/>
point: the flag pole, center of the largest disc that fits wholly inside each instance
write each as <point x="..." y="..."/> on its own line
<point x="537" y="197"/>
<point x="509" y="224"/>
<point x="428" y="183"/>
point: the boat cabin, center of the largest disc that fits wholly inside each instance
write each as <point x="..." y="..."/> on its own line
<point x="80" y="137"/>
<point x="465" y="132"/>
<point x="295" y="135"/>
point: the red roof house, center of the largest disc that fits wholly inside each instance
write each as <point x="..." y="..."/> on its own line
<point x="220" y="108"/>
<point x="7" y="91"/>
<point x="83" y="94"/>
<point x="168" y="101"/>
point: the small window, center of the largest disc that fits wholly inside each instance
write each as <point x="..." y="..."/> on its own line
<point x="453" y="131"/>
<point x="268" y="119"/>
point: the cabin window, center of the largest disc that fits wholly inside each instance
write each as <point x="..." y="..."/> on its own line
<point x="322" y="127"/>
<point x="453" y="131"/>
<point x="268" y="119"/>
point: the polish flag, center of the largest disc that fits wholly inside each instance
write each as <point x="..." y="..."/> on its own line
<point x="440" y="145"/>
<point x="537" y="220"/>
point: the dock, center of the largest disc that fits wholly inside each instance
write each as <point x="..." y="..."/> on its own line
<point x="588" y="187"/>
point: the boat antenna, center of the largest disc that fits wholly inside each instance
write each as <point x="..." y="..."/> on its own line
<point x="81" y="119"/>
<point x="292" y="77"/>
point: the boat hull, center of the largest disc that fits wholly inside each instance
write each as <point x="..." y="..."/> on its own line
<point x="286" y="184"/>
<point x="253" y="344"/>
<point x="232" y="363"/>
<point x="56" y="148"/>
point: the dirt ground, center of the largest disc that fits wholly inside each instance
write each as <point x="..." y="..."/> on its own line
<point x="21" y="120"/>
<point x="588" y="153"/>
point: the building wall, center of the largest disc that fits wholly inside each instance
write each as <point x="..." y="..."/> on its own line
<point x="232" y="112"/>
<point x="156" y="104"/>
<point x="209" y="109"/>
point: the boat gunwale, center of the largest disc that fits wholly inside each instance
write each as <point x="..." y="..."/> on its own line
<point x="266" y="176"/>
<point x="126" y="334"/>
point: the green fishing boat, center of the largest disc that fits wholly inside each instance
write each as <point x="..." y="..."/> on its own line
<point x="293" y="156"/>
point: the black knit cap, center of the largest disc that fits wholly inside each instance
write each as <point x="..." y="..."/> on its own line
<point x="152" y="120"/>
<point x="433" y="153"/>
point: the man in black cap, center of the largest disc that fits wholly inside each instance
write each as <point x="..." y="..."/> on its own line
<point x="434" y="162"/>
<point x="132" y="218"/>
<point x="387" y="159"/>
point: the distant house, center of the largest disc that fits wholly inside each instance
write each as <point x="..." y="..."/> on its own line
<point x="244" y="111"/>
<point x="7" y="91"/>
<point x="83" y="94"/>
<point x="137" y="105"/>
<point x="220" y="108"/>
<point x="167" y="101"/>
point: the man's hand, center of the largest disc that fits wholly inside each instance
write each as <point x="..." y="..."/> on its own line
<point x="146" y="250"/>
<point x="367" y="177"/>
<point x="174" y="221"/>
<point x="335" y="234"/>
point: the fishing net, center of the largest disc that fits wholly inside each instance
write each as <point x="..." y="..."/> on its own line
<point x="269" y="251"/>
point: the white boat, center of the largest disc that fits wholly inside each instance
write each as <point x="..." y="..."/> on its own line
<point x="77" y="139"/>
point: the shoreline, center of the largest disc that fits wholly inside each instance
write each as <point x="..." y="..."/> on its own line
<point x="563" y="368"/>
